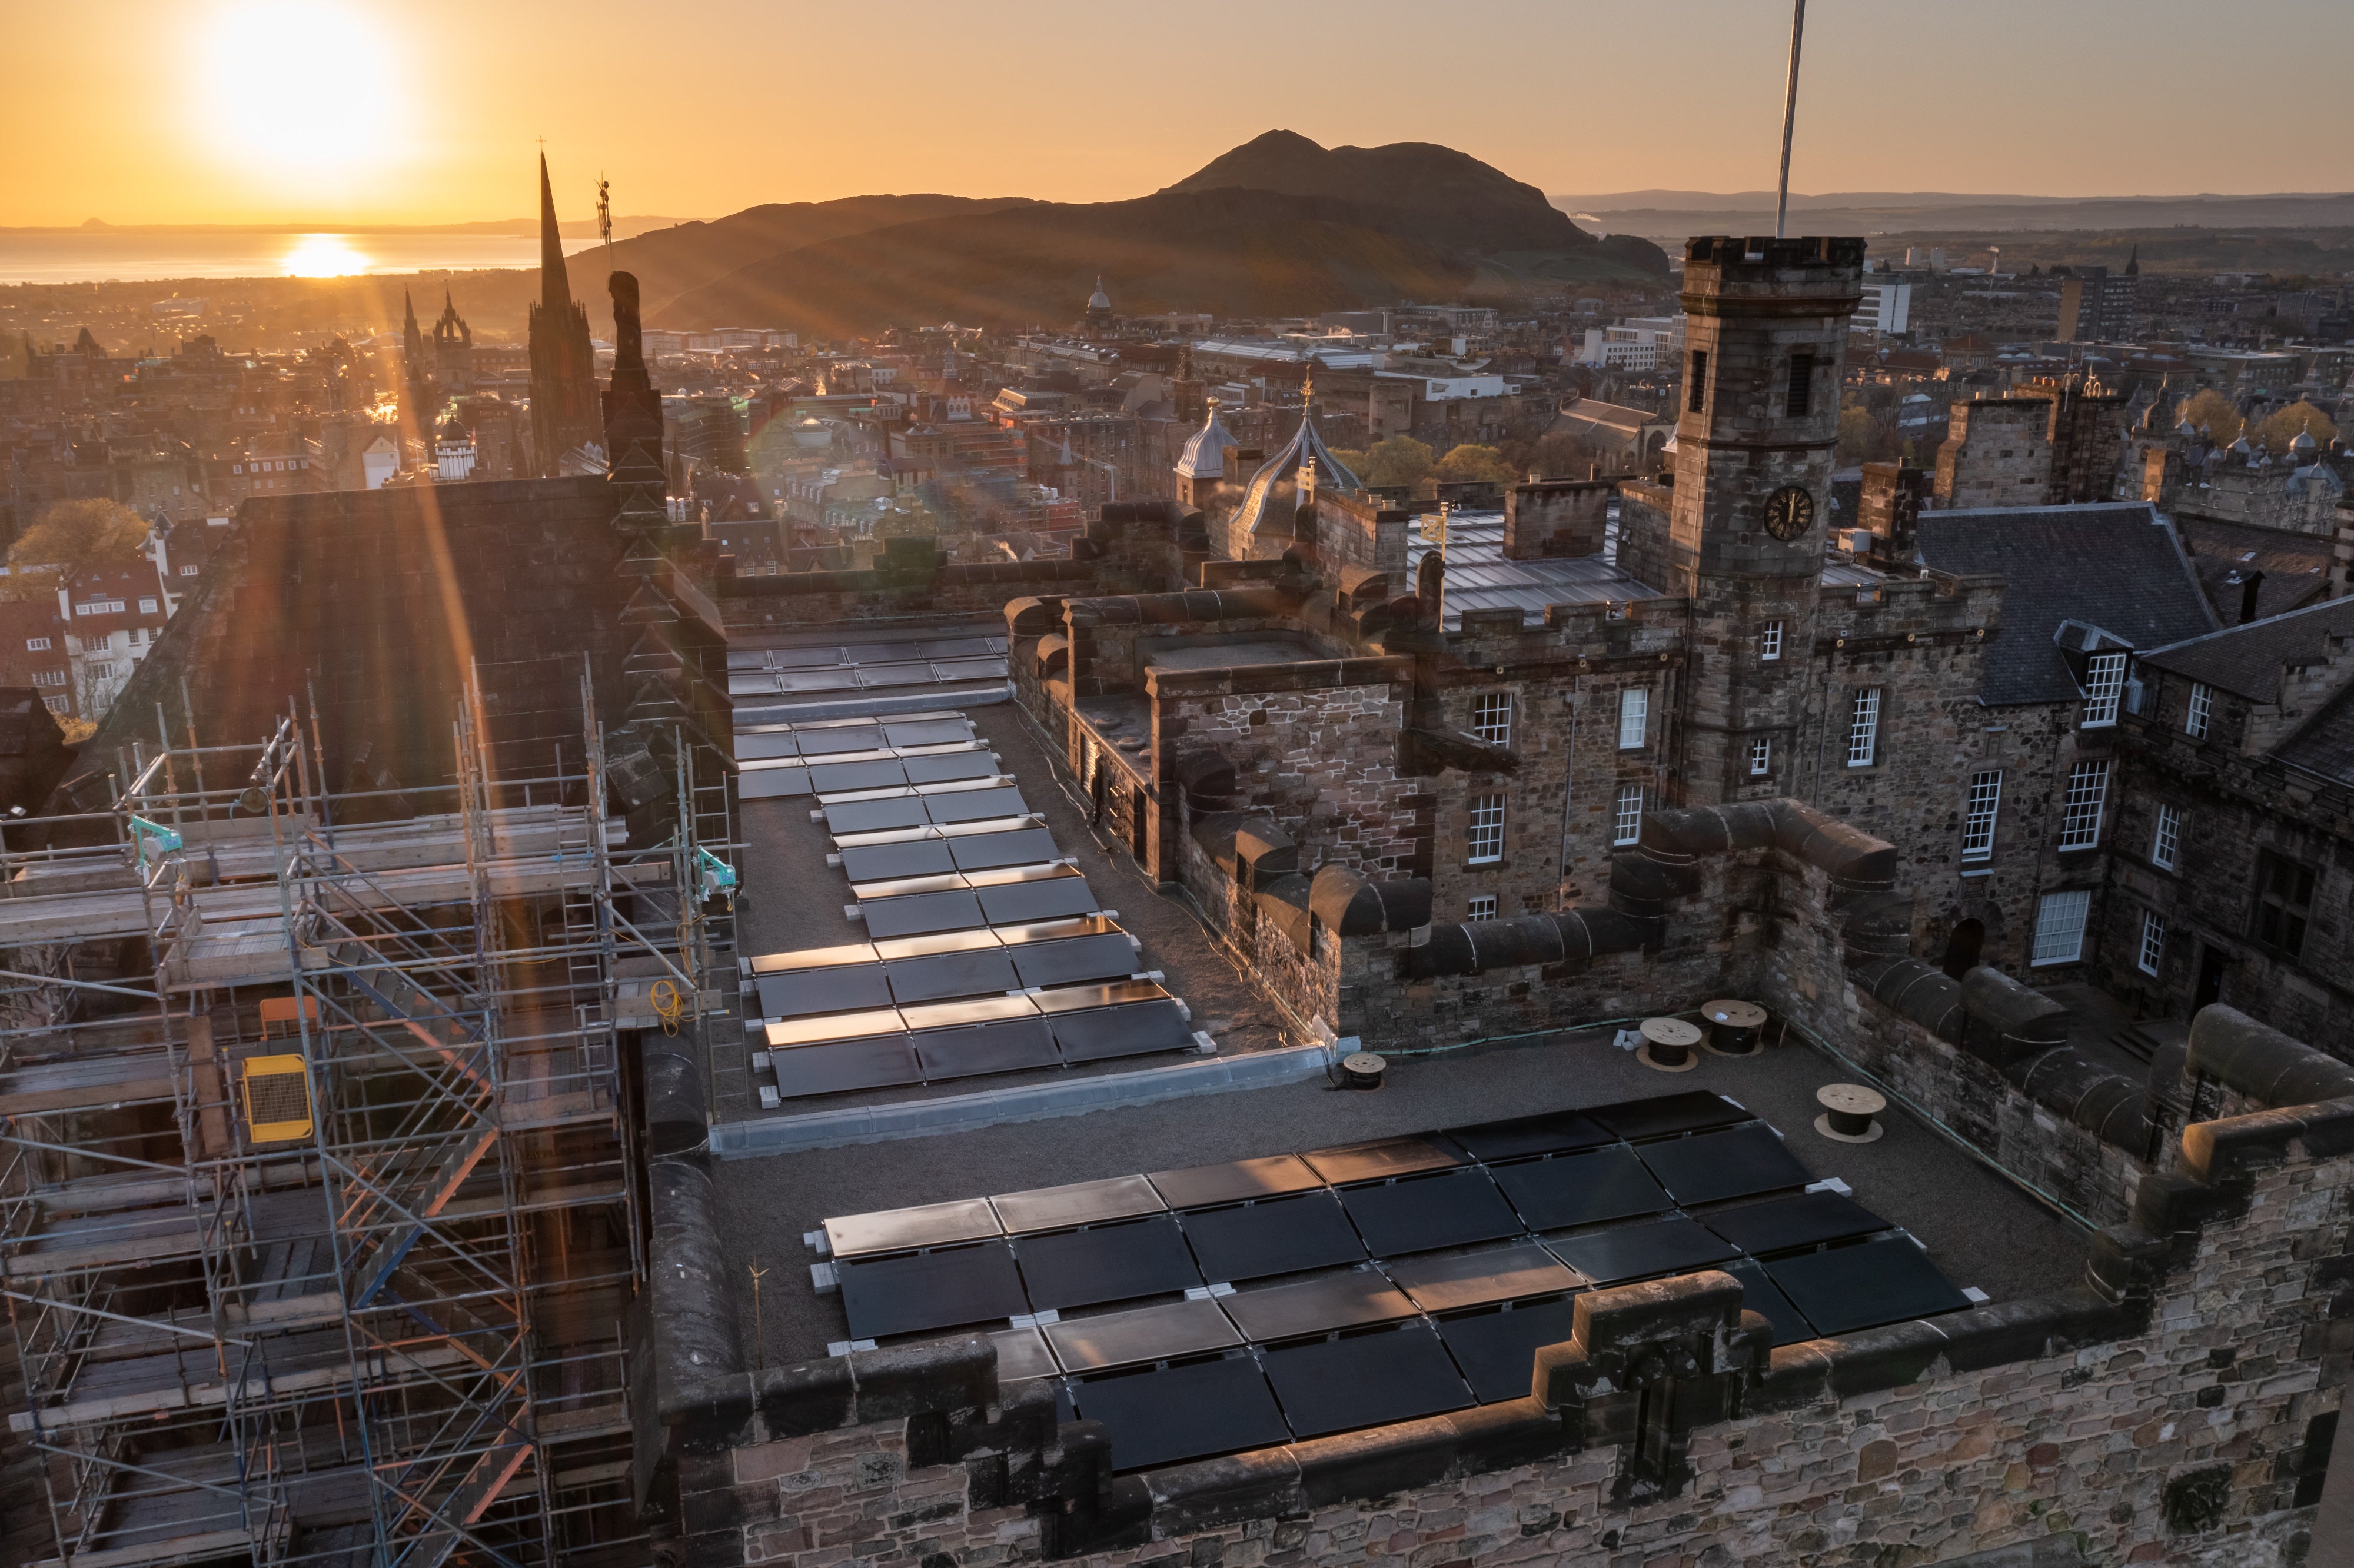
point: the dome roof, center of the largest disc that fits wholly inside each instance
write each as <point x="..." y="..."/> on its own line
<point x="1205" y="456"/>
<point x="2303" y="442"/>
<point x="1305" y="450"/>
<point x="1100" y="300"/>
<point x="454" y="433"/>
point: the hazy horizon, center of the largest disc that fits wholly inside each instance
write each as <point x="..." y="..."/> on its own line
<point x="419" y="112"/>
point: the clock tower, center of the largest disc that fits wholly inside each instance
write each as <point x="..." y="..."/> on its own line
<point x="1764" y="338"/>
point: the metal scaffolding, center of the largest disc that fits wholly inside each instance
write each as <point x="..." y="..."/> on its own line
<point x="318" y="1192"/>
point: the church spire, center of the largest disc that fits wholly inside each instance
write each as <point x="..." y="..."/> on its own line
<point x="555" y="287"/>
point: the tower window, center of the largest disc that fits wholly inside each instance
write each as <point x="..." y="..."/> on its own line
<point x="1863" y="728"/>
<point x="1761" y="758"/>
<point x="2104" y="680"/>
<point x="1769" y="641"/>
<point x="1492" y="717"/>
<point x="1627" y="815"/>
<point x="1699" y="393"/>
<point x="1634" y="716"/>
<point x="1481" y="909"/>
<point x="2284" y="902"/>
<point x="2194" y="718"/>
<point x="1977" y="820"/>
<point x="2153" y="941"/>
<point x="1487" y="836"/>
<point x="2088" y="792"/>
<point x="2168" y="840"/>
<point x="2060" y="927"/>
<point x="1802" y="385"/>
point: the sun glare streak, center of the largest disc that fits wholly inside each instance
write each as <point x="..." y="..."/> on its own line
<point x="300" y="93"/>
<point x="322" y="256"/>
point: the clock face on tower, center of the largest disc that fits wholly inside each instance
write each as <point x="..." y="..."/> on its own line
<point x="1789" y="512"/>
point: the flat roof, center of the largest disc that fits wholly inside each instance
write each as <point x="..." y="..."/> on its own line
<point x="1979" y="1228"/>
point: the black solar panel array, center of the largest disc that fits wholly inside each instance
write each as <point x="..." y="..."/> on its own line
<point x="1361" y="1305"/>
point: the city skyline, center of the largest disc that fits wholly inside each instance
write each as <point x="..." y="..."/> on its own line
<point x="419" y="111"/>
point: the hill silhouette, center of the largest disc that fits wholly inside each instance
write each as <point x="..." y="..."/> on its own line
<point x="1277" y="227"/>
<point x="669" y="261"/>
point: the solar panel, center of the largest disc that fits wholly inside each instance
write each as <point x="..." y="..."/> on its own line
<point x="1076" y="961"/>
<point x="903" y="1230"/>
<point x="804" y="658"/>
<point x="1588" y="1189"/>
<point x="1147" y="1334"/>
<point x="1365" y="1380"/>
<point x="1318" y="1305"/>
<point x="829" y="777"/>
<point x="898" y="948"/>
<point x="1863" y="1285"/>
<point x="873" y="816"/>
<point x="972" y="973"/>
<point x="817" y="681"/>
<point x="1113" y="993"/>
<point x="968" y="669"/>
<point x="1478" y="1278"/>
<point x="921" y="1292"/>
<point x="1454" y="1208"/>
<point x="1759" y="1294"/>
<point x="1010" y="1047"/>
<point x="1115" y="1031"/>
<point x="927" y="732"/>
<point x="789" y="1032"/>
<point x="961" y="647"/>
<point x="1497" y="1350"/>
<point x="986" y="852"/>
<point x="831" y="742"/>
<point x="874" y="675"/>
<point x="803" y="992"/>
<point x="1037" y="900"/>
<point x="1078" y="1204"/>
<point x="922" y="914"/>
<point x="1277" y="1235"/>
<point x="1638" y="1251"/>
<point x="949" y="766"/>
<point x="1022" y="1354"/>
<point x="1553" y="1132"/>
<point x="758" y="747"/>
<point x="888" y="652"/>
<point x="877" y="1061"/>
<point x="772" y="783"/>
<point x="1711" y="1167"/>
<point x="1381" y="1157"/>
<point x="1182" y="1412"/>
<point x="972" y="805"/>
<point x="884" y="862"/>
<point x="1784" y="1224"/>
<point x="1665" y="1115"/>
<point x="1108" y="1263"/>
<point x="1235" y="1182"/>
<point x="812" y="959"/>
<point x="907" y="887"/>
<point x="974" y="1010"/>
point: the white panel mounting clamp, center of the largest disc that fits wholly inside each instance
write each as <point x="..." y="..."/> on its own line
<point x="816" y="1241"/>
<point x="824" y="1279"/>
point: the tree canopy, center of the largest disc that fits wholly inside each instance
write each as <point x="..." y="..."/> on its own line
<point x="1399" y="460"/>
<point x="1475" y="464"/>
<point x="72" y="537"/>
<point x="2214" y="410"/>
<point x="2298" y="418"/>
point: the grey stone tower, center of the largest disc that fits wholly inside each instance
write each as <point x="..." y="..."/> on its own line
<point x="1766" y="335"/>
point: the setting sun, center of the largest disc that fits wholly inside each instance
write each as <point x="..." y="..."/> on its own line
<point x="300" y="94"/>
<point x="322" y="256"/>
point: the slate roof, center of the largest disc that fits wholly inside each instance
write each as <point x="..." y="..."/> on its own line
<point x="2295" y="565"/>
<point x="2246" y="660"/>
<point x="2117" y="566"/>
<point x="2326" y="745"/>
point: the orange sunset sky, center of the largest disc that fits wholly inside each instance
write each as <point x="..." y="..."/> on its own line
<point x="427" y="111"/>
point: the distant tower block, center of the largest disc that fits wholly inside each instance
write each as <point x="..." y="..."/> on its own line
<point x="1767" y="326"/>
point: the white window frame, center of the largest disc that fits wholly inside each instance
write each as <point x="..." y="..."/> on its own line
<point x="2165" y="838"/>
<point x="1769" y="642"/>
<point x="57" y="705"/>
<point x="2084" y="804"/>
<point x="1485" y="840"/>
<point x="2104" y="684"/>
<point x="1634" y="718"/>
<point x="1627" y="816"/>
<point x="1482" y="907"/>
<point x="1980" y="813"/>
<point x="1492" y="717"/>
<point x="1761" y="756"/>
<point x="146" y="606"/>
<point x="37" y="644"/>
<point x="1863" y="727"/>
<point x="2060" y="921"/>
<point x="2152" y="952"/>
<point x="2200" y="710"/>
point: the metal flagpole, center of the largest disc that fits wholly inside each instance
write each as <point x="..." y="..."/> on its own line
<point x="1790" y="119"/>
